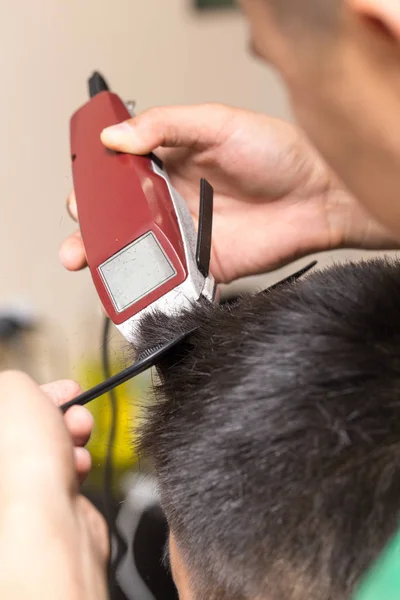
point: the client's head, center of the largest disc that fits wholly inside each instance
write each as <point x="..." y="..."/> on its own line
<point x="275" y="436"/>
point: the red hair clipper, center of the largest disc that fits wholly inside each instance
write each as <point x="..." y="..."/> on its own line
<point x="140" y="240"/>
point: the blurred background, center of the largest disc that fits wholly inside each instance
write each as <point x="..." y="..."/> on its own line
<point x="156" y="52"/>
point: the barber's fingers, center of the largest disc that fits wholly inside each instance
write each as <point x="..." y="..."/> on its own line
<point x="61" y="391"/>
<point x="78" y="419"/>
<point x="72" y="253"/>
<point x="199" y="127"/>
<point x="83" y="463"/>
<point x="79" y="423"/>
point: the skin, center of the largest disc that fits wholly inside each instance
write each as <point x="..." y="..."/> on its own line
<point x="284" y="192"/>
<point x="53" y="542"/>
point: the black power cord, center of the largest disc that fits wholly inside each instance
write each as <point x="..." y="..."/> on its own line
<point x="108" y="497"/>
<point x="109" y="501"/>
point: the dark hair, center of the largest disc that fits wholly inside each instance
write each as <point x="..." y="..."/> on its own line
<point x="275" y="435"/>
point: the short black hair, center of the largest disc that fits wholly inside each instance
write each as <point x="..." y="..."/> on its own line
<point x="275" y="435"/>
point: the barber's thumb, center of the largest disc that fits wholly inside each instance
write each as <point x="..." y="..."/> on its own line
<point x="139" y="135"/>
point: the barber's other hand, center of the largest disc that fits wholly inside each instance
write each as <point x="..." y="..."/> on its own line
<point x="53" y="542"/>
<point x="275" y="200"/>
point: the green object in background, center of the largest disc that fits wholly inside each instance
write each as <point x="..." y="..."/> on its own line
<point x="383" y="580"/>
<point x="215" y="3"/>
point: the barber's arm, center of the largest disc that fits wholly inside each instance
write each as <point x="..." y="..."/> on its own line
<point x="275" y="199"/>
<point x="53" y="543"/>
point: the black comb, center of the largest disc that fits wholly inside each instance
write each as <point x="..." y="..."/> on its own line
<point x="147" y="359"/>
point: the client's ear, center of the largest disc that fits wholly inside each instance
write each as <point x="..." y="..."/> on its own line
<point x="385" y="12"/>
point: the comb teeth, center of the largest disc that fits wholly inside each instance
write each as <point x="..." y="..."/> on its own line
<point x="147" y="353"/>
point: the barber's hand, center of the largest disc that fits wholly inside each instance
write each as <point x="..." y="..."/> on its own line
<point x="275" y="200"/>
<point x="53" y="542"/>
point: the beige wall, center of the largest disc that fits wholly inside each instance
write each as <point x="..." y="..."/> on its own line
<point x="154" y="51"/>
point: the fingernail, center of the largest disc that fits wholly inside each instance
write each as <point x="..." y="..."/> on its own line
<point x="117" y="134"/>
